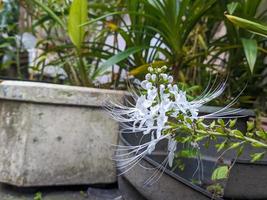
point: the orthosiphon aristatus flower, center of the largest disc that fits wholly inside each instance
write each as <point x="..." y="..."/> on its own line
<point x="158" y="103"/>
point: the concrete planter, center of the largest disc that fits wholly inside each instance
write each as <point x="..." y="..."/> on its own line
<point x="55" y="135"/>
<point x="246" y="180"/>
<point x="241" y="125"/>
<point x="171" y="184"/>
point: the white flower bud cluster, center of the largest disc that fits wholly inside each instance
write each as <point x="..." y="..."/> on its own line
<point x="160" y="100"/>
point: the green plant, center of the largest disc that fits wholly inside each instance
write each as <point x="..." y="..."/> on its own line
<point x="240" y="52"/>
<point x="76" y="48"/>
<point x="190" y="37"/>
<point x="38" y="196"/>
<point x="161" y="32"/>
<point x="161" y="111"/>
<point x="9" y="50"/>
<point x="250" y="46"/>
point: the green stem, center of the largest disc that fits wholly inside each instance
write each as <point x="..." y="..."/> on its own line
<point x="18" y="61"/>
<point x="247" y="139"/>
<point x="82" y="70"/>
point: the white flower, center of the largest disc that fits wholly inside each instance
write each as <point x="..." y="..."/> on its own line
<point x="170" y="79"/>
<point x="161" y="121"/>
<point x="152" y="111"/>
<point x="151" y="147"/>
<point x="195" y="145"/>
<point x="172" y="145"/>
<point x="152" y="93"/>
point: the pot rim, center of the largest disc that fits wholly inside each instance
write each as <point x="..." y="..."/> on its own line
<point x="244" y="112"/>
<point x="49" y="93"/>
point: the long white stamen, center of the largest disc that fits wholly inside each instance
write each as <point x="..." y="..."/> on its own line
<point x="148" y="112"/>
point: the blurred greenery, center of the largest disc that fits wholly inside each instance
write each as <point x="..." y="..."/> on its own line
<point x="9" y="15"/>
<point x="120" y="39"/>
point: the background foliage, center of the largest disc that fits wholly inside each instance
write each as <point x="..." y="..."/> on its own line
<point x="122" y="37"/>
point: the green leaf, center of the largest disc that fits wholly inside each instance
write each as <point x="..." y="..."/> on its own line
<point x="240" y="151"/>
<point x="77" y="16"/>
<point x="38" y="196"/>
<point x="187" y="153"/>
<point x="117" y="58"/>
<point x="250" y="47"/>
<point x="189" y="121"/>
<point x="102" y="17"/>
<point x="256" y="144"/>
<point x="257" y="156"/>
<point x="237" y="133"/>
<point x="235" y="145"/>
<point x="220" y="173"/>
<point x="221" y="146"/>
<point x="201" y="126"/>
<point x="252" y="26"/>
<point x="181" y="117"/>
<point x="212" y="125"/>
<point x="231" y="7"/>
<point x="221" y="122"/>
<point x="199" y="138"/>
<point x="232" y="123"/>
<point x="219" y="130"/>
<point x="250" y="125"/>
<point x="49" y="12"/>
<point x="262" y="134"/>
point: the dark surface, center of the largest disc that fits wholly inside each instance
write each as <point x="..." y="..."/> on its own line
<point x="82" y="192"/>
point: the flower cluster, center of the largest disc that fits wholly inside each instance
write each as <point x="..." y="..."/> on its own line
<point x="159" y="102"/>
<point x="162" y="111"/>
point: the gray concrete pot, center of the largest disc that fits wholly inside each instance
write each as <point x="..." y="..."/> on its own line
<point x="55" y="134"/>
<point x="171" y="185"/>
<point x="247" y="180"/>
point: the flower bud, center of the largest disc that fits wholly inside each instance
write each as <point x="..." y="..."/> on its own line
<point x="170" y="79"/>
<point x="143" y="84"/>
<point x="148" y="76"/>
<point x="150" y="69"/>
<point x="153" y="77"/>
<point x="164" y="76"/>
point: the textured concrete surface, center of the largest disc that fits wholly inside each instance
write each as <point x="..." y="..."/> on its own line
<point x="45" y="144"/>
<point x="64" y="193"/>
<point x="56" y="94"/>
<point x="247" y="181"/>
